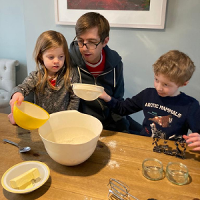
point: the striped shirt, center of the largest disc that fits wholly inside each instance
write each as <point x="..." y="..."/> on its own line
<point x="98" y="68"/>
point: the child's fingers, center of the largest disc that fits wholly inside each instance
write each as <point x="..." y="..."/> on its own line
<point x="185" y="137"/>
<point x="191" y="139"/>
<point x="11" y="118"/>
<point x="196" y="149"/>
<point x="193" y="143"/>
<point x="194" y="135"/>
<point x="12" y="104"/>
<point x="196" y="145"/>
<point x="16" y="97"/>
<point x="19" y="101"/>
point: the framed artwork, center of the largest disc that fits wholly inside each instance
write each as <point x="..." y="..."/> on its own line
<point x="123" y="13"/>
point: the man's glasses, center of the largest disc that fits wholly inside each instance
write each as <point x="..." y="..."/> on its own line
<point x="89" y="45"/>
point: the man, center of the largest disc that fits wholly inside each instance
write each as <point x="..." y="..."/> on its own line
<point x="98" y="64"/>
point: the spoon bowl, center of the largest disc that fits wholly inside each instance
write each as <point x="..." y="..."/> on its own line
<point x="21" y="149"/>
<point x="24" y="149"/>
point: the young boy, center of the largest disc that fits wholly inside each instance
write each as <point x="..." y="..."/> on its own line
<point x="98" y="64"/>
<point x="167" y="111"/>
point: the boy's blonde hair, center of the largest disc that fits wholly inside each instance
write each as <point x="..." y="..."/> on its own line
<point x="47" y="40"/>
<point x="176" y="66"/>
<point x="91" y="20"/>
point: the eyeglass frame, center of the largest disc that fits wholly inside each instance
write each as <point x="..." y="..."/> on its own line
<point x="85" y="44"/>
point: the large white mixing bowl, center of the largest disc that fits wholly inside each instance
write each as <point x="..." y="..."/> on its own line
<point x="77" y="148"/>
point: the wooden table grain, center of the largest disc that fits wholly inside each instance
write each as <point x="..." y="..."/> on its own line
<point x="117" y="155"/>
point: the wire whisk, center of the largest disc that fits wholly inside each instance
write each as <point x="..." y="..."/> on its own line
<point x="119" y="191"/>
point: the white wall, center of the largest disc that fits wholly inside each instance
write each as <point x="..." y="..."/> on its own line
<point x="139" y="48"/>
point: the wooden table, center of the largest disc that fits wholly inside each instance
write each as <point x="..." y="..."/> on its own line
<point x="118" y="155"/>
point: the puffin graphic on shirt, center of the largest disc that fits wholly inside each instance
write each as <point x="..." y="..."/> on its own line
<point x="163" y="121"/>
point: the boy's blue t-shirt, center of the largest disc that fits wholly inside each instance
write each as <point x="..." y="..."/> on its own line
<point x="169" y="115"/>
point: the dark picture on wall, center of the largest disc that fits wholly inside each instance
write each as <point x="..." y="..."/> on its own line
<point x="119" y="13"/>
<point x="109" y="4"/>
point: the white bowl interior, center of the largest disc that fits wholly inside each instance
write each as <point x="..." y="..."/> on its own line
<point x="70" y="137"/>
<point x="19" y="169"/>
<point x="87" y="92"/>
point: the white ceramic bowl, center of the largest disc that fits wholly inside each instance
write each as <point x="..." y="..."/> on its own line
<point x="70" y="137"/>
<point x="87" y="92"/>
<point x="19" y="169"/>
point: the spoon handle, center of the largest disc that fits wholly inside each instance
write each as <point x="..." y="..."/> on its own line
<point x="8" y="141"/>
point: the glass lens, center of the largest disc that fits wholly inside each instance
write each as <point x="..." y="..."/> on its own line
<point x="76" y="43"/>
<point x="91" y="45"/>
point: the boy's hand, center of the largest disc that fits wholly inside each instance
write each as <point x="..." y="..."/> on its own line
<point x="16" y="97"/>
<point x="105" y="97"/>
<point x="193" y="140"/>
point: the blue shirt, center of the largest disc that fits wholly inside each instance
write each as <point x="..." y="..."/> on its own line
<point x="170" y="115"/>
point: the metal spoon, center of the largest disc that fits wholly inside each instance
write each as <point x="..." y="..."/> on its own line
<point x="21" y="149"/>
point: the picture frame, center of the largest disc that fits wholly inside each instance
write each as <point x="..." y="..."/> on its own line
<point x="152" y="19"/>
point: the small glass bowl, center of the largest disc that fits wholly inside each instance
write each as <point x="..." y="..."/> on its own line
<point x="177" y="173"/>
<point x="152" y="169"/>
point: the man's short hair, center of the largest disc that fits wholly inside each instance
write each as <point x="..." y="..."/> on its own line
<point x="91" y="20"/>
<point x="176" y="66"/>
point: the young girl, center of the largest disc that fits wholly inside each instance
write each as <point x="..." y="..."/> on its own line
<point x="51" y="83"/>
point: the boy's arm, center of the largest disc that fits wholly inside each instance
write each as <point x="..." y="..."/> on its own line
<point x="193" y="117"/>
<point x="124" y="107"/>
<point x="122" y="123"/>
<point x="193" y="139"/>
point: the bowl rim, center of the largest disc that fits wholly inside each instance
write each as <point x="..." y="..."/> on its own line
<point x="95" y="90"/>
<point x="70" y="144"/>
<point x="10" y="189"/>
<point x="75" y="112"/>
<point x="87" y="85"/>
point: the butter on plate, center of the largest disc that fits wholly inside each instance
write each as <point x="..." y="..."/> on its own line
<point x="25" y="180"/>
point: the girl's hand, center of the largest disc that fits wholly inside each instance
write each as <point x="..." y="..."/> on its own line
<point x="11" y="118"/>
<point x="193" y="140"/>
<point x="16" y="97"/>
<point x="105" y="97"/>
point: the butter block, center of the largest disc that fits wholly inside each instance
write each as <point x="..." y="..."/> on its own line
<point x="24" y="180"/>
<point x="27" y="185"/>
